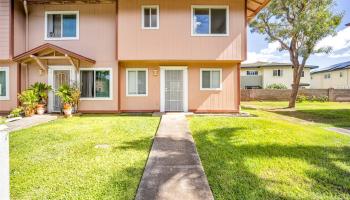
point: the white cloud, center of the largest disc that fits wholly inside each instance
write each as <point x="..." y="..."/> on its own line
<point x="338" y="42"/>
<point x="268" y="54"/>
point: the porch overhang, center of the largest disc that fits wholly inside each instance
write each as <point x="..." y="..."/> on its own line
<point x="47" y="52"/>
<point x="253" y="7"/>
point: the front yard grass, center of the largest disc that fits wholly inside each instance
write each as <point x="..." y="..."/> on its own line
<point x="59" y="160"/>
<point x="271" y="157"/>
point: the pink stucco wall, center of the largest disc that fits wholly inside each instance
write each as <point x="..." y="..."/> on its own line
<point x="224" y="100"/>
<point x="173" y="40"/>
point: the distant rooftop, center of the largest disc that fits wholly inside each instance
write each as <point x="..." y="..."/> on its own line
<point x="272" y="64"/>
<point x="339" y="66"/>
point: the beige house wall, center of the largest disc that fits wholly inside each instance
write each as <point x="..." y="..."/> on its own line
<point x="319" y="82"/>
<point x="286" y="79"/>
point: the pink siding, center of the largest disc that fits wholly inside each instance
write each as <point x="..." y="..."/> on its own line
<point x="97" y="30"/>
<point x="5" y="11"/>
<point x="7" y="105"/>
<point x="225" y="100"/>
<point x="19" y="28"/>
<point x="173" y="40"/>
<point x="97" y="41"/>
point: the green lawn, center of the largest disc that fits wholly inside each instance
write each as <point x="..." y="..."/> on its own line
<point x="326" y="113"/>
<point x="59" y="160"/>
<point x="274" y="156"/>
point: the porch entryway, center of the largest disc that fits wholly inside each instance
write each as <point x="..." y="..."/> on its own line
<point x="56" y="65"/>
<point x="58" y="76"/>
<point x="174" y="89"/>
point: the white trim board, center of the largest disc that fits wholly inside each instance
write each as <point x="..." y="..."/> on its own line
<point x="162" y="86"/>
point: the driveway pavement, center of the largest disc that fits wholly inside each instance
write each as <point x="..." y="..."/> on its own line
<point x="173" y="169"/>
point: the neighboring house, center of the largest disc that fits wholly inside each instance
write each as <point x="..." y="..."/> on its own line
<point x="262" y="74"/>
<point x="336" y="76"/>
<point x="127" y="55"/>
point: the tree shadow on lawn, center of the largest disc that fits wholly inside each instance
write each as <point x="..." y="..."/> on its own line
<point x="230" y="177"/>
<point x="334" y="117"/>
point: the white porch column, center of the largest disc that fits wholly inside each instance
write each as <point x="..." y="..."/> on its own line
<point x="4" y="163"/>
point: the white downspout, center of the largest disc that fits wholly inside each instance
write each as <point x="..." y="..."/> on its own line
<point x="25" y="6"/>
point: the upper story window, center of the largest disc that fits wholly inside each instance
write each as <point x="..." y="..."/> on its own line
<point x="340" y="74"/>
<point x="303" y="74"/>
<point x="210" y="20"/>
<point x="4" y="83"/>
<point x="210" y="79"/>
<point x="252" y="73"/>
<point x="150" y="17"/>
<point x="62" y="25"/>
<point x="277" y="72"/>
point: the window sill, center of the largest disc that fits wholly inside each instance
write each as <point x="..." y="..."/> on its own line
<point x="96" y="99"/>
<point x="210" y="35"/>
<point x="211" y="89"/>
<point x="65" y="38"/>
<point x="4" y="98"/>
<point x="137" y="95"/>
<point x="150" y="28"/>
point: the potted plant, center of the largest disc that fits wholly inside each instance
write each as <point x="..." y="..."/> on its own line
<point x="29" y="101"/>
<point x="41" y="90"/>
<point x="69" y="97"/>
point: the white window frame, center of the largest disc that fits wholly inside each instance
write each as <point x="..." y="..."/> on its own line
<point x="211" y="7"/>
<point x="127" y="81"/>
<point x="255" y="74"/>
<point x="7" y="77"/>
<point x="143" y="16"/>
<point x="278" y="74"/>
<point x="210" y="69"/>
<point x="110" y="83"/>
<point x="62" y="13"/>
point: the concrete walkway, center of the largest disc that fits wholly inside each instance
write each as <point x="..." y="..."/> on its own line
<point x="345" y="131"/>
<point x="28" y="122"/>
<point x="173" y="169"/>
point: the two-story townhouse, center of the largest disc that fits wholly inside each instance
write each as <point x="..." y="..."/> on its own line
<point x="336" y="76"/>
<point x="127" y="55"/>
<point x="263" y="74"/>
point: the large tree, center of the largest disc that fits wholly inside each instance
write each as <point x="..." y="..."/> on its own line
<point x="298" y="25"/>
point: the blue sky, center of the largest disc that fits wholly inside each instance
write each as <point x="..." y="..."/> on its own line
<point x="260" y="50"/>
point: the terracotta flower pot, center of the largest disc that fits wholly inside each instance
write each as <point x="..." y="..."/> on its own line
<point x="67" y="109"/>
<point x="40" y="109"/>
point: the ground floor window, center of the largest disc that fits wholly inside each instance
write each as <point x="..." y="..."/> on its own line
<point x="136" y="82"/>
<point x="4" y="83"/>
<point x="96" y="83"/>
<point x="210" y="79"/>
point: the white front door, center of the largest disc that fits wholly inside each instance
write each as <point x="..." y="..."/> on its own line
<point x="58" y="76"/>
<point x="174" y="89"/>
